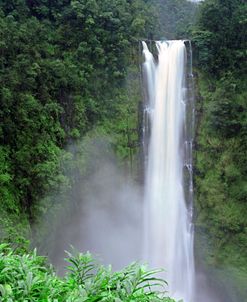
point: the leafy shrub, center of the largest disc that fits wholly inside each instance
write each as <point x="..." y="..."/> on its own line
<point x="27" y="277"/>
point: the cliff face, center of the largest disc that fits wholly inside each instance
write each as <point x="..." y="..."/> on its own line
<point x="220" y="174"/>
<point x="221" y="142"/>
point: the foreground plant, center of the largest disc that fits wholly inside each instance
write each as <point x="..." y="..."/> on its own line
<point x="27" y="277"/>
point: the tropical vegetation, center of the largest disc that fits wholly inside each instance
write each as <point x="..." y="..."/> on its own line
<point x="221" y="138"/>
<point x="70" y="69"/>
<point x="27" y="277"/>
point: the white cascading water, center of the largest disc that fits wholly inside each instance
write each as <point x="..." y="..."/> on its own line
<point x="168" y="224"/>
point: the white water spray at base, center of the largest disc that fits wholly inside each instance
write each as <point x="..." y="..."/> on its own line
<point x="168" y="225"/>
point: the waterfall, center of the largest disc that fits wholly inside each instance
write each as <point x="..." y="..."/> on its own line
<point x="167" y="132"/>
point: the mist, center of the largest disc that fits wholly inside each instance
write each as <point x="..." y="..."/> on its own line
<point x="100" y="213"/>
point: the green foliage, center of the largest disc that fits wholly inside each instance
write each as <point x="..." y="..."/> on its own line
<point x="176" y="18"/>
<point x="64" y="66"/>
<point x="26" y="277"/>
<point x="221" y="140"/>
<point x="220" y="162"/>
<point x="221" y="154"/>
<point x="227" y="107"/>
<point x="219" y="36"/>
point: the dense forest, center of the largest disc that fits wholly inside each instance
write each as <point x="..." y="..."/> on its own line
<point x="64" y="65"/>
<point x="219" y="38"/>
<point x="70" y="70"/>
